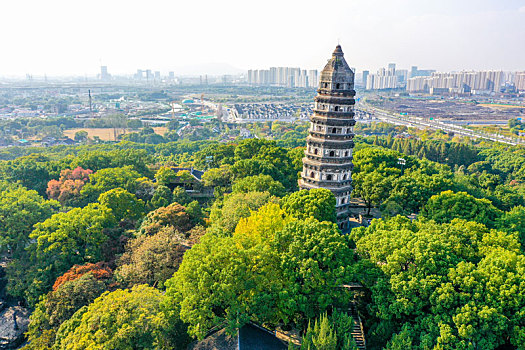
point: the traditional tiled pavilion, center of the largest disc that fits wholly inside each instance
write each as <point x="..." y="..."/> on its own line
<point x="328" y="155"/>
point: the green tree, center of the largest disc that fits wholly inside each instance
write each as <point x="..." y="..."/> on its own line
<point x="124" y="319"/>
<point x="514" y="221"/>
<point x="20" y="209"/>
<point x="180" y="196"/>
<point x="165" y="176"/>
<point x="162" y="197"/>
<point x="374" y="187"/>
<point x="123" y="204"/>
<point x="108" y="179"/>
<point x="318" y="203"/>
<point x="278" y="272"/>
<point x="61" y="241"/>
<point x="218" y="177"/>
<point x="81" y="136"/>
<point x="330" y="333"/>
<point x="31" y="171"/>
<point x="226" y="214"/>
<point x="116" y="158"/>
<point x="259" y="183"/>
<point x="443" y="286"/>
<point x="449" y="205"/>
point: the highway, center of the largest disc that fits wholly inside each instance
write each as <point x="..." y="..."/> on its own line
<point x="423" y="123"/>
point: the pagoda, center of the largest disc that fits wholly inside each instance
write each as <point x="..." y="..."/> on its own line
<point x="328" y="155"/>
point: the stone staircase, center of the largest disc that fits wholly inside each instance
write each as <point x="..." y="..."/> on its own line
<point x="357" y="331"/>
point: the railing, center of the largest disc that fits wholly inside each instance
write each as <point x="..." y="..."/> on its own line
<point x="336" y="114"/>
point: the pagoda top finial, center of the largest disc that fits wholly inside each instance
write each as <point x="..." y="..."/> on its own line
<point x="338" y="51"/>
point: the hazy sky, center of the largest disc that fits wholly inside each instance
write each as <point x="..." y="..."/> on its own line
<point x="68" y="37"/>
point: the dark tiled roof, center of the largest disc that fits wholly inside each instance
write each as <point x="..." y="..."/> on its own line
<point x="253" y="337"/>
<point x="196" y="173"/>
<point x="249" y="337"/>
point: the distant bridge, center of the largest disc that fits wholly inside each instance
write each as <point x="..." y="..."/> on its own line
<point x="421" y="123"/>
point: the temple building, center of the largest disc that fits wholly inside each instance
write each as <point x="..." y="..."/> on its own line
<point x="328" y="155"/>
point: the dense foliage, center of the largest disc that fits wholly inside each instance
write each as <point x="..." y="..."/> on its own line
<point x="80" y="224"/>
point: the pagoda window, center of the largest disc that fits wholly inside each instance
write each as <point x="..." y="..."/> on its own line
<point x="346" y="153"/>
<point x="312" y="175"/>
<point x="315" y="151"/>
<point x="334" y="130"/>
<point x="344" y="177"/>
<point x="332" y="154"/>
<point x="336" y="108"/>
<point x="337" y="86"/>
<point x="329" y="177"/>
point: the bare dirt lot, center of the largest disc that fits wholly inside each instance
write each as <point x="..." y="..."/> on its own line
<point x="108" y="134"/>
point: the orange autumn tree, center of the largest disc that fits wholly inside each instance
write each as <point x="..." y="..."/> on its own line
<point x="68" y="187"/>
<point x="99" y="270"/>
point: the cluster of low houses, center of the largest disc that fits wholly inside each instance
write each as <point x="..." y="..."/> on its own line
<point x="270" y="111"/>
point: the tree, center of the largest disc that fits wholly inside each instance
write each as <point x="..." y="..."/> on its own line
<point x="449" y="205"/>
<point x="165" y="176"/>
<point x="514" y="221"/>
<point x="145" y="189"/>
<point x="99" y="271"/>
<point x="59" y="305"/>
<point x="152" y="259"/>
<point x="214" y="156"/>
<point x="321" y="336"/>
<point x="252" y="167"/>
<point x="31" y="171"/>
<point x="373" y="187"/>
<point x="249" y="148"/>
<point x="108" y="179"/>
<point x="412" y="190"/>
<point x="235" y="206"/>
<point x="318" y="203"/>
<point x="330" y="333"/>
<point x="259" y="183"/>
<point x="124" y="319"/>
<point x="61" y="241"/>
<point x="67" y="189"/>
<point x="81" y="136"/>
<point x="427" y="284"/>
<point x="174" y="215"/>
<point x="20" y="209"/>
<point x="117" y="158"/>
<point x="123" y="204"/>
<point x="218" y="177"/>
<point x="278" y="272"/>
<point x="162" y="197"/>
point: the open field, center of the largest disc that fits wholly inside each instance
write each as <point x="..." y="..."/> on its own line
<point x="108" y="134"/>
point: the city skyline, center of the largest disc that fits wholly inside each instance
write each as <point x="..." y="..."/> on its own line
<point x="57" y="38"/>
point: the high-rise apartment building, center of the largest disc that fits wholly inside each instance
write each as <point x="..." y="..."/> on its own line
<point x="328" y="155"/>
<point x="458" y="82"/>
<point x="384" y="79"/>
<point x="282" y="76"/>
<point x="519" y="81"/>
<point x="104" y="75"/>
<point x="312" y="78"/>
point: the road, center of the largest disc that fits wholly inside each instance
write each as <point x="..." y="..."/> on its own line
<point x="422" y="123"/>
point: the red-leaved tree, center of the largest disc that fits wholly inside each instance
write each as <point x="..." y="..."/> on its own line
<point x="68" y="187"/>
